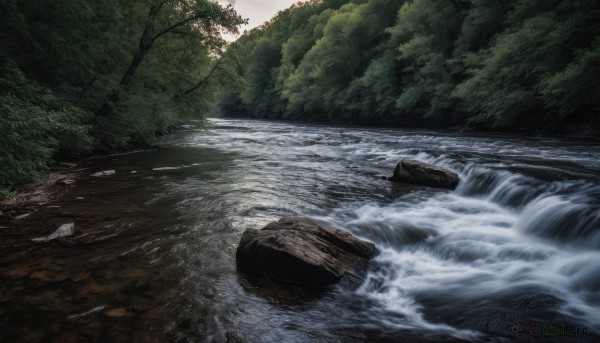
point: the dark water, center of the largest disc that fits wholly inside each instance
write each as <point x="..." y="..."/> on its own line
<point x="518" y="242"/>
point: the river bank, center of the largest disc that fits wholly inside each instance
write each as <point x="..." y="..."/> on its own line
<point x="29" y="196"/>
<point x="49" y="185"/>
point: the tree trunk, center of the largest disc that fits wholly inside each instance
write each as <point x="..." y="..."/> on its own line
<point x="144" y="46"/>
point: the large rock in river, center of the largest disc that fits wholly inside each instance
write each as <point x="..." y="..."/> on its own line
<point x="302" y="251"/>
<point x="420" y="173"/>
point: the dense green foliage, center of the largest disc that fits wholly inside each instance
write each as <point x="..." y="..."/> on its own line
<point x="33" y="125"/>
<point x="529" y="65"/>
<point x="79" y="76"/>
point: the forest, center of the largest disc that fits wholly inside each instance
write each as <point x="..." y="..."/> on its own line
<point x="86" y="76"/>
<point x="502" y="65"/>
<point x="101" y="76"/>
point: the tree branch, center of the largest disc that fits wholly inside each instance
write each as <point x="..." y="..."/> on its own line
<point x="176" y="25"/>
<point x="199" y="84"/>
<point x="213" y="12"/>
<point x="87" y="87"/>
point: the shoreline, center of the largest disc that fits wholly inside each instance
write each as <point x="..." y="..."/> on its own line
<point x="47" y="186"/>
<point x="30" y="195"/>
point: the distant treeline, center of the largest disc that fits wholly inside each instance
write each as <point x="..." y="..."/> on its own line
<point x="515" y="65"/>
<point x="87" y="75"/>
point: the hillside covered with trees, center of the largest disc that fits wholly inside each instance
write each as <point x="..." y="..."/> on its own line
<point x="87" y="75"/>
<point x="508" y="65"/>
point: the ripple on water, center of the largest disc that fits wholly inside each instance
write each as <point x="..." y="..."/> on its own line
<point x="517" y="241"/>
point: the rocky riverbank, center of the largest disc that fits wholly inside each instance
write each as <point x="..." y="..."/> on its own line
<point x="28" y="197"/>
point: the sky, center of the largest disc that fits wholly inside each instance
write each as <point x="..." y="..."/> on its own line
<point x="258" y="11"/>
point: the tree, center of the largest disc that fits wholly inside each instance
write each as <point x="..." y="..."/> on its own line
<point x="205" y="17"/>
<point x="102" y="75"/>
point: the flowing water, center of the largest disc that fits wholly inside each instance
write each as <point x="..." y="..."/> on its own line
<point x="515" y="248"/>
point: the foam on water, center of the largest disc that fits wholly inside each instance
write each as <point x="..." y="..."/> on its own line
<point x="524" y="222"/>
<point x="491" y="236"/>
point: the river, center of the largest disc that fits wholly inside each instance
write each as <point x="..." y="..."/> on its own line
<point x="515" y="246"/>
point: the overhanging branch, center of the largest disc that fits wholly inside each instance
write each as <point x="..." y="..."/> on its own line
<point x="199" y="84"/>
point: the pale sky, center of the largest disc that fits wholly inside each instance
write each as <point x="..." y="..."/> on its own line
<point x="258" y="11"/>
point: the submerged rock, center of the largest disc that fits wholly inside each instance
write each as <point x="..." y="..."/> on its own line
<point x="65" y="182"/>
<point x="302" y="251"/>
<point x="420" y="173"/>
<point x="104" y="173"/>
<point x="22" y="216"/>
<point x="63" y="231"/>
